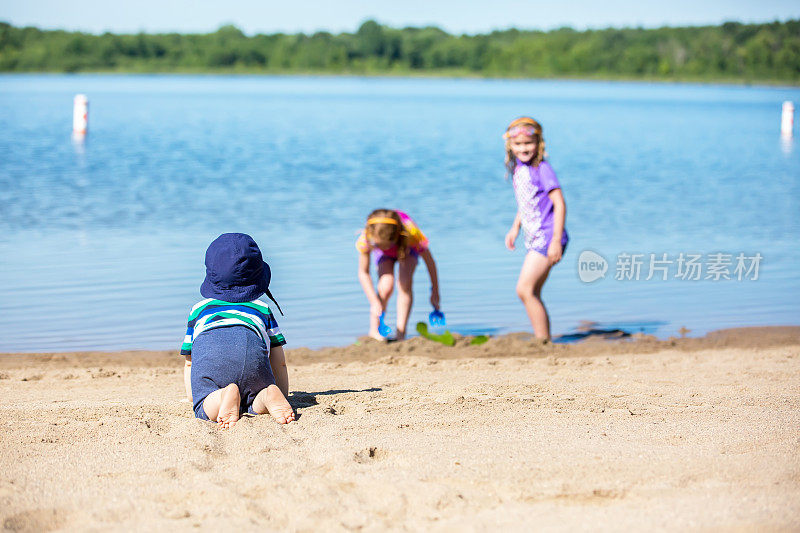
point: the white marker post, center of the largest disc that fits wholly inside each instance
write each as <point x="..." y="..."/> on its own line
<point x="787" y="119"/>
<point x="80" y="115"/>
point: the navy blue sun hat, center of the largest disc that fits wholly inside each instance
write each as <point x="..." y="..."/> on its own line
<point x="235" y="270"/>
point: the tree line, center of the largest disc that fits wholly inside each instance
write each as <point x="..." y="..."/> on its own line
<point x="728" y="52"/>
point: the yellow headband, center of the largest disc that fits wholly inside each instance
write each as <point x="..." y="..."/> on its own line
<point x="382" y="220"/>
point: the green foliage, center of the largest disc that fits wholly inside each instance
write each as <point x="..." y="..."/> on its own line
<point x="731" y="51"/>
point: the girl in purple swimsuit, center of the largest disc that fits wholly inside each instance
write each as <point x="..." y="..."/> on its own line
<point x="541" y="212"/>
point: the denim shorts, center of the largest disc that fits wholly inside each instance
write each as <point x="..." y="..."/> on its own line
<point x="231" y="354"/>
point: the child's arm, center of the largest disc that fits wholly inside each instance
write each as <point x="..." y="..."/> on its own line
<point x="375" y="306"/>
<point x="554" y="251"/>
<point x="431" y="264"/>
<point x="277" y="361"/>
<point x="511" y="236"/>
<point x="187" y="376"/>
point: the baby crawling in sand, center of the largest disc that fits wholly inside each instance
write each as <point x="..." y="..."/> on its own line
<point x="233" y="346"/>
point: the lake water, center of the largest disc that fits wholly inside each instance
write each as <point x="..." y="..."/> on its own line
<point x="102" y="242"/>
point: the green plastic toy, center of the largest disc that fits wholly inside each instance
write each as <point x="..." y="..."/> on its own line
<point x="480" y="339"/>
<point x="445" y="338"/>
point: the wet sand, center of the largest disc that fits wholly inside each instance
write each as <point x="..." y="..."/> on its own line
<point x="603" y="435"/>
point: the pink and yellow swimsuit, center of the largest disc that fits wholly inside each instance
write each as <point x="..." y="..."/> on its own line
<point x="417" y="241"/>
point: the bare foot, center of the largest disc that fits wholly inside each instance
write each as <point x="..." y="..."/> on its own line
<point x="273" y="401"/>
<point x="377" y="336"/>
<point x="229" y="407"/>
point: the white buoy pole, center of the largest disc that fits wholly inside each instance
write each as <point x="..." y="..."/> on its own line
<point x="787" y="119"/>
<point x="80" y="115"/>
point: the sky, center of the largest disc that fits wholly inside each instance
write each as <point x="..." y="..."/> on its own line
<point x="308" y="16"/>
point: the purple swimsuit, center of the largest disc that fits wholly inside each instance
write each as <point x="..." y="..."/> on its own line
<point x="531" y="187"/>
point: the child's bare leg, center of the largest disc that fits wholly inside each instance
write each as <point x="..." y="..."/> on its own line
<point x="529" y="289"/>
<point x="385" y="287"/>
<point x="222" y="405"/>
<point x="271" y="400"/>
<point x="187" y="377"/>
<point x="405" y="293"/>
<point x="277" y="362"/>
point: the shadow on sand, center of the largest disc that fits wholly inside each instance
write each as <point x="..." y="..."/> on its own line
<point x="301" y="399"/>
<point x="587" y="330"/>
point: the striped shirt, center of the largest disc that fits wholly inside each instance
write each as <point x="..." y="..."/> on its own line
<point x="209" y="314"/>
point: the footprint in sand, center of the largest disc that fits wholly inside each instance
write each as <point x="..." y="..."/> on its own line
<point x="368" y="455"/>
<point x="36" y="520"/>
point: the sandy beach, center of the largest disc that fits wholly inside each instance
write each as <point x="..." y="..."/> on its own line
<point x="645" y="434"/>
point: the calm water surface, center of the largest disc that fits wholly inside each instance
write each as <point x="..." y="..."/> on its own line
<point x="102" y="242"/>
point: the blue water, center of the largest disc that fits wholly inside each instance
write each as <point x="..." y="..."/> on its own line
<point x="102" y="242"/>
